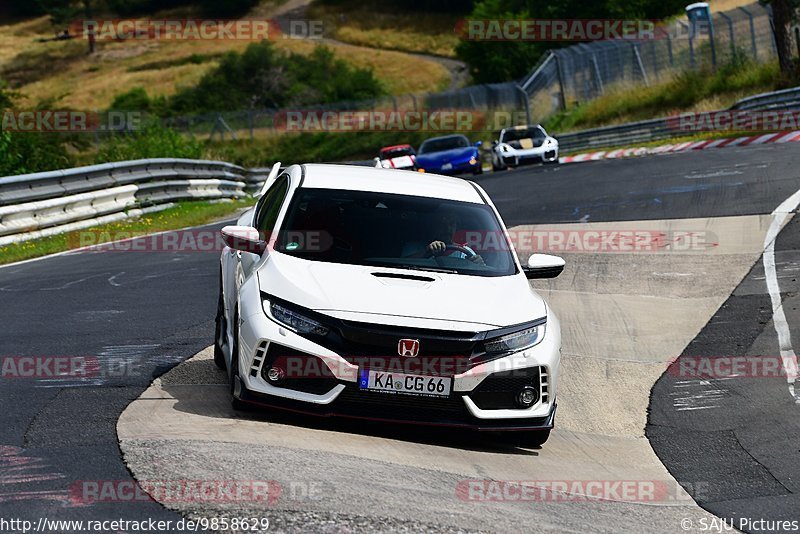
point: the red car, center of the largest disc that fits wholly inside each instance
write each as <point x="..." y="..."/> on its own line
<point x="397" y="157"/>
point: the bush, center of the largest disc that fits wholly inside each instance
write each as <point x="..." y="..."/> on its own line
<point x="152" y="141"/>
<point x="264" y="77"/>
<point x="21" y="153"/>
<point x="137" y="99"/>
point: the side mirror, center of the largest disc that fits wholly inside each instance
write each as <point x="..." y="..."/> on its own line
<point x="543" y="266"/>
<point x="244" y="238"/>
<point x="478" y="143"/>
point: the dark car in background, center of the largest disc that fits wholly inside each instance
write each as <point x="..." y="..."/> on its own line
<point x="450" y="154"/>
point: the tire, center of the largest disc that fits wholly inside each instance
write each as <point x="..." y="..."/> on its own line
<point x="478" y="171"/>
<point x="532" y="439"/>
<point x="236" y="403"/>
<point x="220" y="330"/>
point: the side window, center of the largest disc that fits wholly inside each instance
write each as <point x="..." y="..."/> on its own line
<point x="270" y="206"/>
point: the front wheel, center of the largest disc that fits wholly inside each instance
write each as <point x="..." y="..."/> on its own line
<point x="531" y="439"/>
<point x="237" y="404"/>
<point x="220" y="330"/>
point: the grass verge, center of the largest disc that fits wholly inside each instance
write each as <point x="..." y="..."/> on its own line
<point x="184" y="214"/>
<point x="383" y="24"/>
<point x="689" y="91"/>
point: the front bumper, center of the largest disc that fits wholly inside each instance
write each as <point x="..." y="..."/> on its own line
<point x="353" y="403"/>
<point x="541" y="154"/>
<point x="482" y="397"/>
<point x="457" y="168"/>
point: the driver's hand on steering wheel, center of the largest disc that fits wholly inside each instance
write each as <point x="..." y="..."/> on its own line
<point x="436" y="248"/>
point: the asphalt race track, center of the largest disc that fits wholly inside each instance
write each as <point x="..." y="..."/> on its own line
<point x="142" y="313"/>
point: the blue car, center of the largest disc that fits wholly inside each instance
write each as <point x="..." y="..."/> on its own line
<point x="451" y="154"/>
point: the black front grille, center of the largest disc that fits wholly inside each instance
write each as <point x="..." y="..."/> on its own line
<point x="499" y="390"/>
<point x="370" y="346"/>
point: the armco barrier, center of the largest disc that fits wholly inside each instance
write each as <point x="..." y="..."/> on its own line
<point x="658" y="129"/>
<point x="48" y="203"/>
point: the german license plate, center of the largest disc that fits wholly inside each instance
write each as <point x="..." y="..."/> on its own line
<point x="387" y="381"/>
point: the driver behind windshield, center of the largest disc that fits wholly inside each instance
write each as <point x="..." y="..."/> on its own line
<point x="444" y="243"/>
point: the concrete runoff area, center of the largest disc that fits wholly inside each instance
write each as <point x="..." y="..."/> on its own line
<point x="624" y="317"/>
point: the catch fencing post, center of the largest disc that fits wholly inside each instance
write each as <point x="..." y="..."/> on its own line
<point x="527" y="104"/>
<point x="654" y="58"/>
<point x="560" y="73"/>
<point x="752" y="32"/>
<point x="669" y="51"/>
<point x="730" y="32"/>
<point x="639" y="62"/>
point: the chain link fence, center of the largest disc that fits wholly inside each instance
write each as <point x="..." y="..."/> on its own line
<point x="585" y="71"/>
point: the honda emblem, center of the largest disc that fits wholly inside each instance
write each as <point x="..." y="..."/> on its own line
<point x="408" y="347"/>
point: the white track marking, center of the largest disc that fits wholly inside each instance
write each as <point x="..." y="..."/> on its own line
<point x="781" y="214"/>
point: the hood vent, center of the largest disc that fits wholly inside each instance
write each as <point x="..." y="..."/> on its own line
<point x="402" y="276"/>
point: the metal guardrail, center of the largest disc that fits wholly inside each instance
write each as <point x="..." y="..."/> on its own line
<point x="785" y="99"/>
<point x="49" y="203"/>
<point x="659" y="129"/>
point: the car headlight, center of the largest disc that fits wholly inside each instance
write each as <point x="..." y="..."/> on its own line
<point x="515" y="341"/>
<point x="295" y="321"/>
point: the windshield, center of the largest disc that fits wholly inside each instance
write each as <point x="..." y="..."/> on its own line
<point x="526" y="133"/>
<point x="387" y="230"/>
<point x="441" y="144"/>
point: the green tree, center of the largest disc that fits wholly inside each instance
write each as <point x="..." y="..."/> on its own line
<point x="784" y="13"/>
<point x="498" y="61"/>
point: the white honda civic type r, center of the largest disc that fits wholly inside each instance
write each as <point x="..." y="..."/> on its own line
<point x="386" y="295"/>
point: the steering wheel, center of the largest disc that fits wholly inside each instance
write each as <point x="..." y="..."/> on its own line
<point x="457" y="248"/>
